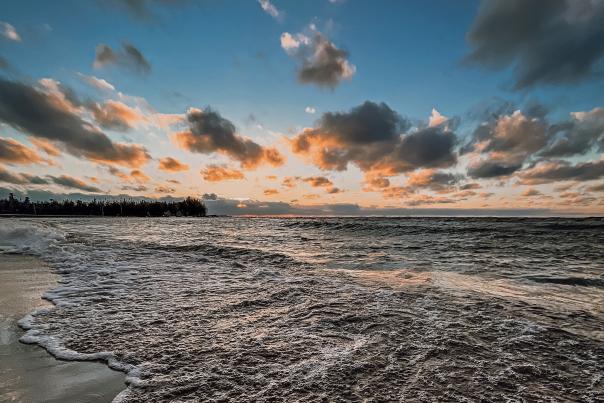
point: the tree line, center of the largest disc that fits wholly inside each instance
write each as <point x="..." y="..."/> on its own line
<point x="189" y="207"/>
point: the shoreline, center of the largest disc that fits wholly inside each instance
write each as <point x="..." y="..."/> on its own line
<point x="27" y="371"/>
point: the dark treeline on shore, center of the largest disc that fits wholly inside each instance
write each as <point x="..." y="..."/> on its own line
<point x="190" y="207"/>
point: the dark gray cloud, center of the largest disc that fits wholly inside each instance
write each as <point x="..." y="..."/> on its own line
<point x="71" y="182"/>
<point x="547" y="42"/>
<point x="491" y="169"/>
<point x="136" y="188"/>
<point x="579" y="135"/>
<point x="27" y="179"/>
<point x="507" y="143"/>
<point x="321" y="62"/>
<point x="209" y="132"/>
<point x="562" y="171"/>
<point x="372" y="136"/>
<point x="20" y="178"/>
<point x="36" y="113"/>
<point x="129" y="57"/>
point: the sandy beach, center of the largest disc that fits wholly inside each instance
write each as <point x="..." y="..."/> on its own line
<point x="27" y="372"/>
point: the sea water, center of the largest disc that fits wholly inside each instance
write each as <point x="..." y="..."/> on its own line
<point x="326" y="309"/>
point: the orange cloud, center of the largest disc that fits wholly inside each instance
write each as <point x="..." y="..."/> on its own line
<point x="14" y="152"/>
<point x="318" y="181"/>
<point x="531" y="192"/>
<point x="164" y="189"/>
<point x="290" y="182"/>
<point x="45" y="146"/>
<point x="270" y="192"/>
<point x="217" y="173"/>
<point x="116" y="115"/>
<point x="128" y="155"/>
<point x="139" y="176"/>
<point x="170" y="164"/>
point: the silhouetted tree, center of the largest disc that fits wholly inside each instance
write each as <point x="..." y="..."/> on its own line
<point x="189" y="207"/>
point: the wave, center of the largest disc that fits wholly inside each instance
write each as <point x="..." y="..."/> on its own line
<point x="574" y="281"/>
<point x="28" y="237"/>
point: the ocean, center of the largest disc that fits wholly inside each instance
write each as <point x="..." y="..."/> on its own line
<point x="326" y="309"/>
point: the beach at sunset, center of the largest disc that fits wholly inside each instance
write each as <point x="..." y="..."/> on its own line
<point x="301" y="201"/>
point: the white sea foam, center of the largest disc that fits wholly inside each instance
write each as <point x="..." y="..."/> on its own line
<point x="28" y="237"/>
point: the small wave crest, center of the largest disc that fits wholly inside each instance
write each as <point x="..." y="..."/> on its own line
<point x="28" y="237"/>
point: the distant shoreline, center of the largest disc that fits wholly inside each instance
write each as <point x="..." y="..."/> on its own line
<point x="11" y="215"/>
<point x="543" y="217"/>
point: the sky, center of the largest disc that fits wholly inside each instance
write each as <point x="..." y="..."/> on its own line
<point x="318" y="106"/>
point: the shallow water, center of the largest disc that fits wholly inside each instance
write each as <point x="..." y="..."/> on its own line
<point x="334" y="309"/>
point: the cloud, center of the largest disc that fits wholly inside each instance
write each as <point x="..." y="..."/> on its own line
<point x="377" y="140"/>
<point x="531" y="192"/>
<point x="436" y="118"/>
<point x="139" y="176"/>
<point x="138" y="188"/>
<point x="270" y="192"/>
<point x="45" y="115"/>
<point x="211" y="133"/>
<point x="309" y="109"/>
<point x="596" y="188"/>
<point x="14" y="152"/>
<point x="321" y="62"/>
<point x="441" y="182"/>
<point x="129" y="57"/>
<point x="164" y="189"/>
<point x="217" y="173"/>
<point x="45" y="146"/>
<point x="503" y="145"/>
<point x="508" y="142"/>
<point x="71" y="182"/>
<point x="63" y="180"/>
<point x="270" y="9"/>
<point x="20" y="178"/>
<point x="318" y="181"/>
<point x="583" y="132"/>
<point x="143" y="9"/>
<point x="334" y="190"/>
<point x="470" y="186"/>
<point x="290" y="182"/>
<point x="96" y="82"/>
<point x="552" y="42"/>
<point x="562" y="171"/>
<point x="9" y="32"/>
<point x="115" y="115"/>
<point x="490" y="169"/>
<point x="170" y="164"/>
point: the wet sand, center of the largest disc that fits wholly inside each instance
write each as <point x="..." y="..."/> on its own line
<point x="27" y="372"/>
